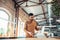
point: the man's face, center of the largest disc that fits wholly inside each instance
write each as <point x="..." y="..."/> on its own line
<point x="31" y="17"/>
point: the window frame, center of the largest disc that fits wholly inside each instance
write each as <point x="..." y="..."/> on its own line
<point x="8" y="17"/>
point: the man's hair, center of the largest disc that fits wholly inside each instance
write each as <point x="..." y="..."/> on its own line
<point x="30" y="14"/>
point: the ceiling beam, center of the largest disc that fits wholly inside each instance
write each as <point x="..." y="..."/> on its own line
<point x="41" y="14"/>
<point x="43" y="9"/>
<point x="36" y="5"/>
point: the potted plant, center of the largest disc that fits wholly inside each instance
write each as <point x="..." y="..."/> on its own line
<point x="56" y="8"/>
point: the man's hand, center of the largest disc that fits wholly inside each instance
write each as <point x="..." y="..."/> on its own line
<point x="31" y="34"/>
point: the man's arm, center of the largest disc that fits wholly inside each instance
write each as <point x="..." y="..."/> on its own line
<point x="36" y="26"/>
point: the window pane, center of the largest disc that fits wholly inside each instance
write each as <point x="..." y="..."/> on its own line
<point x="3" y="22"/>
<point x="3" y="14"/>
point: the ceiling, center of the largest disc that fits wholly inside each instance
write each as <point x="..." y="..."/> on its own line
<point x="33" y="6"/>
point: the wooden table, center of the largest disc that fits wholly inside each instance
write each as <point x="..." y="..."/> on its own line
<point x="34" y="39"/>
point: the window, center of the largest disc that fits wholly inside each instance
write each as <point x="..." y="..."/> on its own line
<point x="4" y="17"/>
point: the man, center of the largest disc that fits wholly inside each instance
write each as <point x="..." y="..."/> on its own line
<point x="30" y="26"/>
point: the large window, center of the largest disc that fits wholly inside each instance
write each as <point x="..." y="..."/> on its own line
<point x="4" y="17"/>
